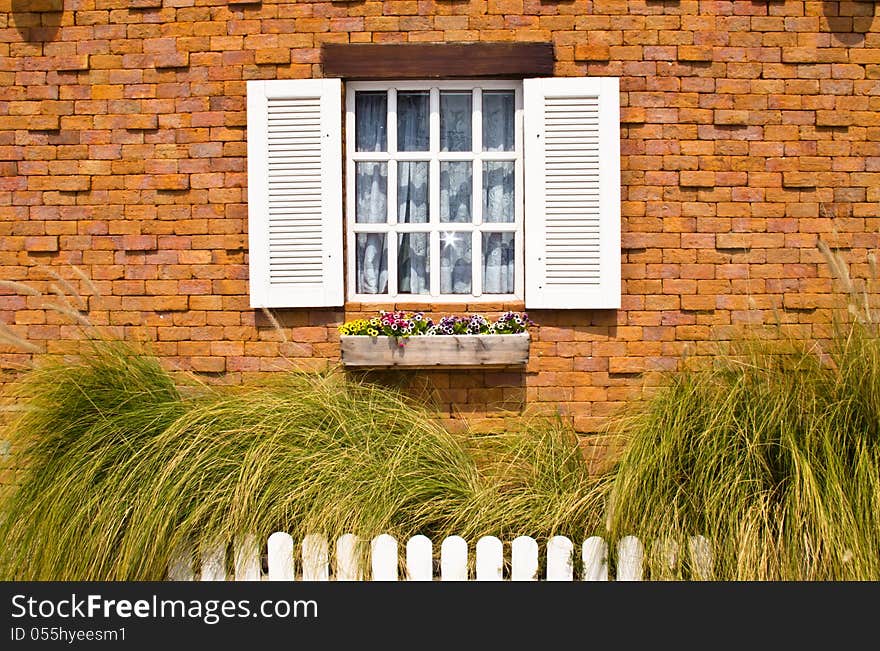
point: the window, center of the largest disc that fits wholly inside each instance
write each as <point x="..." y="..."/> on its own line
<point x="434" y="191"/>
<point x="455" y="192"/>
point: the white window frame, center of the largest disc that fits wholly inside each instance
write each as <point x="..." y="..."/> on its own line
<point x="434" y="226"/>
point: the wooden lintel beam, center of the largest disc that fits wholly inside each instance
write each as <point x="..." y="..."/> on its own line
<point x="437" y="60"/>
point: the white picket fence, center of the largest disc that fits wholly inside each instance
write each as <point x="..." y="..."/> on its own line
<point x="314" y="560"/>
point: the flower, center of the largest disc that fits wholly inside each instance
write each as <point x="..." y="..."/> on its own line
<point x="401" y="325"/>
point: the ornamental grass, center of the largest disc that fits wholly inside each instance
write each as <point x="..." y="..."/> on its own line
<point x="772" y="453"/>
<point x="119" y="468"/>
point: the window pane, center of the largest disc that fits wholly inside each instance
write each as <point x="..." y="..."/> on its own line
<point x="413" y="268"/>
<point x="498" y="120"/>
<point x="456" y="112"/>
<point x="412" y="121"/>
<point x="456" y="190"/>
<point x="371" y="263"/>
<point x="371" y="188"/>
<point x="455" y="263"/>
<point x="498" y="259"/>
<point x="412" y="192"/>
<point x="498" y="191"/>
<point x="371" y="119"/>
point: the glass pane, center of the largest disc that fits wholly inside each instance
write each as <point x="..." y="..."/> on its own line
<point x="412" y="192"/>
<point x="498" y="117"/>
<point x="371" y="266"/>
<point x="498" y="261"/>
<point x="455" y="263"/>
<point x="371" y="119"/>
<point x="456" y="190"/>
<point x="413" y="268"/>
<point x="371" y="190"/>
<point x="456" y="112"/>
<point x="498" y="191"/>
<point x="412" y="121"/>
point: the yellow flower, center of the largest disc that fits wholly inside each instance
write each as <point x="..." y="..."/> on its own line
<point x="372" y="332"/>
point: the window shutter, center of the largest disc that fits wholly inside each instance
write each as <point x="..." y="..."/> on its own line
<point x="295" y="192"/>
<point x="572" y="193"/>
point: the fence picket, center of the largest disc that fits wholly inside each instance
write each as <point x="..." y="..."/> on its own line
<point x="454" y="559"/>
<point x="630" y="555"/>
<point x="384" y="558"/>
<point x="559" y="559"/>
<point x="669" y="559"/>
<point x="419" y="559"/>
<point x="315" y="558"/>
<point x="347" y="564"/>
<point x="180" y="565"/>
<point x="419" y="562"/>
<point x="247" y="558"/>
<point x="453" y="566"/>
<point x="701" y="558"/>
<point x="490" y="559"/>
<point x="214" y="562"/>
<point x="524" y="559"/>
<point x="594" y="553"/>
<point x="280" y="547"/>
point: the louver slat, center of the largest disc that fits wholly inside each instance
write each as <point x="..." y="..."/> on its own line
<point x="294" y="180"/>
<point x="576" y="134"/>
<point x="572" y="192"/>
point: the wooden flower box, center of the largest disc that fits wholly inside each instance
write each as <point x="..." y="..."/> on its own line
<point x="463" y="351"/>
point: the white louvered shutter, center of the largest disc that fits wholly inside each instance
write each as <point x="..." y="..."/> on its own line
<point x="572" y="193"/>
<point x="295" y="192"/>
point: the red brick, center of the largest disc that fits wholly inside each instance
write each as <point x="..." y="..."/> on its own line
<point x="171" y="181"/>
<point x="798" y="180"/>
<point x="208" y="364"/>
<point x="138" y="242"/>
<point x="697" y="179"/>
<point x="41" y="243"/>
<point x="594" y="52"/>
<point x="61" y="183"/>
<point x="732" y="117"/>
<point x="172" y="60"/>
<point x="694" y="53"/>
<point x="834" y="118"/>
<point x="141" y="122"/>
<point x="272" y="55"/>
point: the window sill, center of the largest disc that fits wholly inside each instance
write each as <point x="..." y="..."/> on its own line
<point x="460" y="351"/>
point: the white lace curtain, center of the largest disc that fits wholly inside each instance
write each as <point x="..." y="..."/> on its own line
<point x="456" y="191"/>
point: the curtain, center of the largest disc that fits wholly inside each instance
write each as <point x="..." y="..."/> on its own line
<point x="413" y="262"/>
<point x="371" y="111"/>
<point x="412" y="121"/>
<point x="455" y="263"/>
<point x="456" y="193"/>
<point x="498" y="207"/>
<point x="456" y="113"/>
<point x="371" y="269"/>
<point x="498" y="120"/>
<point x="498" y="191"/>
<point x="498" y="258"/>
<point x="456" y="189"/>
<point x="371" y="207"/>
<point x="371" y="193"/>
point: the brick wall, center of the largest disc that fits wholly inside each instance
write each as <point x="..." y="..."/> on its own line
<point x="749" y="131"/>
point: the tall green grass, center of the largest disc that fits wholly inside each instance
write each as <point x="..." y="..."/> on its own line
<point x="772" y="453"/>
<point x="120" y="469"/>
